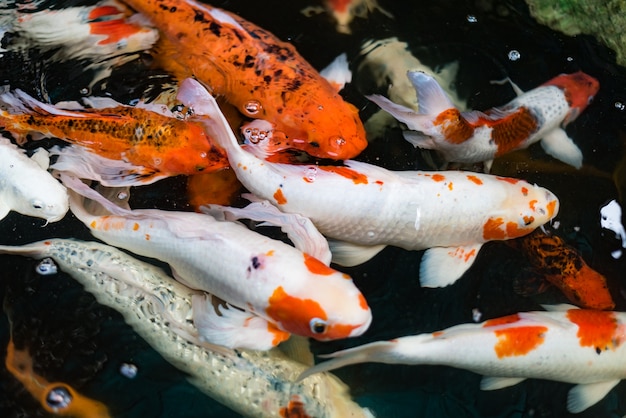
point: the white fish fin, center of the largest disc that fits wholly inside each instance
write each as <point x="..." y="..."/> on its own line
<point x="77" y="186"/>
<point x="431" y="97"/>
<point x="493" y="383"/>
<point x="298" y="348"/>
<point x="412" y="119"/>
<point x="231" y="327"/>
<point x="21" y="102"/>
<point x="518" y="91"/>
<point x="559" y="307"/>
<point x="557" y="144"/>
<point x="487" y="166"/>
<point x="338" y="72"/>
<point x="298" y="228"/>
<point x="4" y="209"/>
<point x="442" y="266"/>
<point x="42" y="157"/>
<point x="582" y="396"/>
<point x="374" y="352"/>
<point x="419" y="140"/>
<point x="348" y="254"/>
<point x="113" y="173"/>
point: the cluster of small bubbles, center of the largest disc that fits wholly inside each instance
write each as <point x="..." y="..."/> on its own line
<point x="128" y="370"/>
<point x="340" y="141"/>
<point x="620" y="106"/>
<point x="311" y="174"/>
<point x="46" y="267"/>
<point x="472" y="19"/>
<point x="252" y="107"/>
<point x="58" y="398"/>
<point x="514" y="55"/>
<point x="255" y="135"/>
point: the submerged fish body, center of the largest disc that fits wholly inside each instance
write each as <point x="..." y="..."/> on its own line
<point x="562" y="266"/>
<point x="262" y="76"/>
<point x="272" y="288"/>
<point x="344" y="11"/>
<point x="158" y="308"/>
<point x="585" y="347"/>
<point x="369" y="207"/>
<point x="28" y="188"/>
<point x="471" y="137"/>
<point x="147" y="137"/>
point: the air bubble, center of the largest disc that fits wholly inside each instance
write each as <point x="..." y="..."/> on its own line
<point x="471" y="19"/>
<point x="620" y="105"/>
<point x="122" y="195"/>
<point x="58" y="398"/>
<point x="46" y="267"/>
<point x="476" y="315"/>
<point x="128" y="370"/>
<point x="252" y="107"/>
<point x="514" y="55"/>
<point x="311" y="174"/>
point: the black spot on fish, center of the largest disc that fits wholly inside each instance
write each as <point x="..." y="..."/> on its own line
<point x="214" y="27"/>
<point x="267" y="79"/>
<point x="256" y="263"/>
<point x="314" y="144"/>
<point x="598" y="350"/>
<point x="249" y="61"/>
<point x="199" y="17"/>
<point x="294" y="85"/>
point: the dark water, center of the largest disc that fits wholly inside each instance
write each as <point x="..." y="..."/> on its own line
<point x="75" y="340"/>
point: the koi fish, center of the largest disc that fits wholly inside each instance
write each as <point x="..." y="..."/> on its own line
<point x="265" y="78"/>
<point x="611" y="219"/>
<point x="585" y="347"/>
<point x="104" y="36"/>
<point x="344" y="11"/>
<point x="116" y="144"/>
<point x="26" y="186"/>
<point x="472" y="137"/>
<point x="158" y="308"/>
<point x="57" y="398"/>
<point x="561" y="265"/>
<point x="368" y="207"/>
<point x="271" y="289"/>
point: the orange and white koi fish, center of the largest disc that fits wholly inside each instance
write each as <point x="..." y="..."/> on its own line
<point x="56" y="398"/>
<point x="471" y="137"/>
<point x="449" y="213"/>
<point x="262" y="76"/>
<point x="26" y="186"/>
<point x="344" y="11"/>
<point x="115" y="144"/>
<point x="271" y="288"/>
<point x="107" y="29"/>
<point x="562" y="266"/>
<point x="585" y="347"/>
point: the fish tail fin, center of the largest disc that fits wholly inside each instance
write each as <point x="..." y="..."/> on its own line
<point x="376" y="352"/>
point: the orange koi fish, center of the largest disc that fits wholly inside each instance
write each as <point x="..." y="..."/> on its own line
<point x="472" y="137"/>
<point x="584" y="347"/>
<point x="117" y="143"/>
<point x="56" y="398"/>
<point x="265" y="78"/>
<point x="562" y="266"/>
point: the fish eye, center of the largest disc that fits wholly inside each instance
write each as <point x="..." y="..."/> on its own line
<point x="318" y="326"/>
<point x="37" y="204"/>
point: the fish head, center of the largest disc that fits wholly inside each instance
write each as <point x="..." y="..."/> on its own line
<point x="525" y="208"/>
<point x="579" y="89"/>
<point x="45" y="198"/>
<point x="331" y="307"/>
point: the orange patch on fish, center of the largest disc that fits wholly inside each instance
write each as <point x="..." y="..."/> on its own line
<point x="525" y="191"/>
<point x="492" y="229"/>
<point x="363" y="302"/>
<point x="508" y="179"/>
<point x="339" y="331"/>
<point x="135" y="226"/>
<point x="597" y="329"/>
<point x="450" y="186"/>
<point x="438" y="177"/>
<point x="293" y="313"/>
<point x="518" y="341"/>
<point x="279" y="196"/>
<point x="551" y="207"/>
<point x="532" y="204"/>
<point x="475" y="179"/>
<point x="509" y="319"/>
<point x="279" y="334"/>
<point x="294" y="409"/>
<point x="513" y="230"/>
<point x="218" y="188"/>
<point x="315" y="266"/>
<point x="510" y="131"/>
<point x="453" y="126"/>
<point x="346" y="172"/>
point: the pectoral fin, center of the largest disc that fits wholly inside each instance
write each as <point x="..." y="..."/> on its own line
<point x="348" y="254"/>
<point x="557" y="144"/>
<point x="581" y="397"/>
<point x="494" y="383"/>
<point x="442" y="266"/>
<point x="233" y="328"/>
<point x="4" y="209"/>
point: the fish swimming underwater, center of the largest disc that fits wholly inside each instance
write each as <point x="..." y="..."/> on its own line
<point x="368" y="207"/>
<point x="472" y="137"/>
<point x="265" y="78"/>
<point x="271" y="289"/>
<point x="115" y="144"/>
<point x="26" y="186"/>
<point x="585" y="347"/>
<point x="253" y="383"/>
<point x="344" y="11"/>
<point x="563" y="266"/>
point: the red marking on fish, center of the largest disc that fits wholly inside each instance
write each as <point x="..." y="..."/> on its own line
<point x="475" y="179"/>
<point x="438" y="177"/>
<point x="518" y="341"/>
<point x="355" y="176"/>
<point x="315" y="266"/>
<point x="279" y="197"/>
<point x="597" y="329"/>
<point x="509" y="319"/>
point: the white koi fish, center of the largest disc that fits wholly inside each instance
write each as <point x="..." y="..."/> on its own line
<point x="26" y="186"/>
<point x="271" y="289"/>
<point x="158" y="308"/>
<point x="585" y="347"/>
<point x="471" y="137"/>
<point x="449" y="213"/>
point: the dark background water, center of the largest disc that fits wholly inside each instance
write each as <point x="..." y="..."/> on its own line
<point x="75" y="340"/>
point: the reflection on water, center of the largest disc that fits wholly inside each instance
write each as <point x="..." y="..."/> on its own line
<point x="74" y="340"/>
